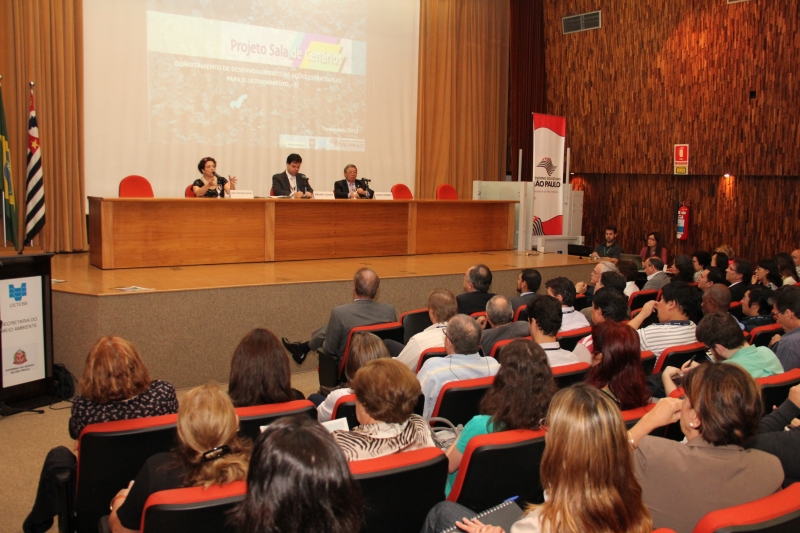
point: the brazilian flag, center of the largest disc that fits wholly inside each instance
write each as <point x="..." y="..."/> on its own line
<point x="9" y="200"/>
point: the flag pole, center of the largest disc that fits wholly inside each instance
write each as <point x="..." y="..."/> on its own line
<point x="22" y="242"/>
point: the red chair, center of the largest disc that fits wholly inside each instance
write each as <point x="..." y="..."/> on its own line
<point x="637" y="299"/>
<point x="632" y="416"/>
<point x="761" y="335"/>
<point x="252" y="418"/>
<point x="566" y="375"/>
<point x="345" y="407"/>
<point x="458" y="401"/>
<point x="401" y="191"/>
<point x="568" y="340"/>
<point x="498" y="346"/>
<point x="581" y="302"/>
<point x="400" y="489"/>
<point x="521" y="313"/>
<point x="775" y="389"/>
<point x="736" y="310"/>
<point x="331" y="367"/>
<point x="498" y="466"/>
<point x="414" y="321"/>
<point x="779" y="512"/>
<point x="649" y="321"/>
<point x="428" y="354"/>
<point x="135" y="186"/>
<point x="446" y="192"/>
<point x="195" y="509"/>
<point x="648" y="361"/>
<point x="189" y="193"/>
<point x="677" y="355"/>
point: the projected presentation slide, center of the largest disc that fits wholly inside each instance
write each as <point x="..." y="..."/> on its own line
<point x="255" y="78"/>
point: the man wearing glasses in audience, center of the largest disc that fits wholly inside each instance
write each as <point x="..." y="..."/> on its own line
<point x="786" y="310"/>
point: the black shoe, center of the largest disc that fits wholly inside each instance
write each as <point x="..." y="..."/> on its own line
<point x="294" y="349"/>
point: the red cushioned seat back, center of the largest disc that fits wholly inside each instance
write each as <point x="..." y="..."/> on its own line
<point x="677" y="355"/>
<point x="401" y="191"/>
<point x="637" y="299"/>
<point x="736" y="310"/>
<point x="497" y="349"/>
<point x="189" y="193"/>
<point x="446" y="192"/>
<point x="345" y="407"/>
<point x="648" y="361"/>
<point x="521" y="314"/>
<point x="387" y="330"/>
<point x="568" y="340"/>
<point x="458" y="401"/>
<point x="778" y="513"/>
<point x="761" y="335"/>
<point x="195" y="509"/>
<point x="429" y="354"/>
<point x="414" y="322"/>
<point x="135" y="186"/>
<point x="400" y="489"/>
<point x="775" y="389"/>
<point x="111" y="455"/>
<point x="566" y="375"/>
<point x="499" y="466"/>
<point x="252" y="418"/>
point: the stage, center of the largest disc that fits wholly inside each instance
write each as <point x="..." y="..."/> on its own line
<point x="188" y="325"/>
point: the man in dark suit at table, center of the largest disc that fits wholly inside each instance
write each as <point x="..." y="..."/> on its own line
<point x="291" y="182"/>
<point x="351" y="186"/>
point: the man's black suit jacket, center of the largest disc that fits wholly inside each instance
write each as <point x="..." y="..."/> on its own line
<point x="282" y="187"/>
<point x="342" y="190"/>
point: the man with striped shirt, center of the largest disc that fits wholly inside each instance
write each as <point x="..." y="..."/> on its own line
<point x="678" y="302"/>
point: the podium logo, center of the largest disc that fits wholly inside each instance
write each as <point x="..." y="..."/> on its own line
<point x="17" y="293"/>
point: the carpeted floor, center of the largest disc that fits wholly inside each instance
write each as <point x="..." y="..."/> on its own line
<point x="26" y="439"/>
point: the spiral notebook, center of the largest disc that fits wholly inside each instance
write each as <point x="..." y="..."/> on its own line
<point x="503" y="515"/>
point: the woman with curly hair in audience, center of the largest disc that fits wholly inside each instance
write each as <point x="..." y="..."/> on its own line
<point x="701" y="260"/>
<point x="583" y="493"/>
<point x="680" y="482"/>
<point x="617" y="365"/>
<point x="386" y="393"/>
<point x="786" y="269"/>
<point x="208" y="452"/>
<point x="364" y="347"/>
<point x="518" y="399"/>
<point x="260" y="371"/>
<point x="299" y="482"/>
<point x="682" y="268"/>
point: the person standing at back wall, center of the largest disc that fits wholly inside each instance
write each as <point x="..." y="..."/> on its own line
<point x="291" y="182"/>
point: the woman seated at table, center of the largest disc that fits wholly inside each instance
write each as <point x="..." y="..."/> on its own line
<point x="212" y="185"/>
<point x="617" y="365"/>
<point x="260" y="371"/>
<point x="584" y="493"/>
<point x="299" y="481"/>
<point x="386" y="394"/>
<point x="364" y="347"/>
<point x="654" y="248"/>
<point x="681" y="483"/>
<point x="208" y="452"/>
<point x="518" y="399"/>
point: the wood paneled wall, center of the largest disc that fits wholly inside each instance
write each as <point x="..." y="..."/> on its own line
<point x="758" y="216"/>
<point x="682" y="71"/>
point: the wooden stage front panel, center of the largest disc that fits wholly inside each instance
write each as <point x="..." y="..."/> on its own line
<point x="147" y="232"/>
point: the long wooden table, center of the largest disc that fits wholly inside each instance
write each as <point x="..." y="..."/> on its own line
<point x="150" y="232"/>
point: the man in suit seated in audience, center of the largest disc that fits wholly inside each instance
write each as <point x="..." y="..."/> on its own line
<point x="610" y="248"/>
<point x="462" y="340"/>
<point x="656" y="277"/>
<point x="717" y="299"/>
<point x="528" y="283"/>
<point x="476" y="294"/>
<point x="608" y="280"/>
<point x="563" y="290"/>
<point x="739" y="274"/>
<point x="351" y="186"/>
<point x="544" y="317"/>
<point x="441" y="308"/>
<point x="709" y="277"/>
<point x="796" y="259"/>
<point x="756" y="308"/>
<point x="597" y="271"/>
<point x="607" y="305"/>
<point x="500" y="314"/>
<point x="786" y="310"/>
<point x="364" y="311"/>
<point x="678" y="302"/>
<point x="292" y="182"/>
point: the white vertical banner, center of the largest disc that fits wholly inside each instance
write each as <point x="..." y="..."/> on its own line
<point x="23" y="330"/>
<point x="548" y="168"/>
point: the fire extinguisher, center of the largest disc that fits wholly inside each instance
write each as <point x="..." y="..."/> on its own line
<point x="683" y="221"/>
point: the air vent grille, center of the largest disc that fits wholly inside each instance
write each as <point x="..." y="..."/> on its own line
<point x="583" y="22"/>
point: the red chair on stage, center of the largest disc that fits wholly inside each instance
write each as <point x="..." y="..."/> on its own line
<point x="189" y="193"/>
<point x="401" y="191"/>
<point x="135" y="186"/>
<point x="446" y="192"/>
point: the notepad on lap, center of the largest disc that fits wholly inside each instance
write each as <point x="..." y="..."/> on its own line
<point x="503" y="515"/>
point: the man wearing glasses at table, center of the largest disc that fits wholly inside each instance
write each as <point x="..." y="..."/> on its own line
<point x="786" y="311"/>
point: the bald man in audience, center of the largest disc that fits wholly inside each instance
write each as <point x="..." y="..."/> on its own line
<point x="442" y="307"/>
<point x="477" y="281"/>
<point x="656" y="277"/>
<point x="756" y="308"/>
<point x="786" y="310"/>
<point x="500" y="314"/>
<point x="717" y="299"/>
<point x="563" y="290"/>
<point x="709" y="277"/>
<point x="544" y="318"/>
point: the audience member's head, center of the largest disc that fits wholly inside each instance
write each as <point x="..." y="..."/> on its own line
<point x="585" y="494"/>
<point x="522" y="389"/>
<point x="786" y="267"/>
<point x="786" y="307"/>
<point x="720" y="261"/>
<point x="767" y="272"/>
<point x="529" y="281"/>
<point x="617" y="364"/>
<point x="611" y="233"/>
<point x="544" y="315"/>
<point x="113" y="372"/>
<point x="386" y="391"/>
<point x="612" y="280"/>
<point x="442" y="305"/>
<point x="366" y="283"/>
<point x="563" y="289"/>
<point x="719" y="329"/>
<point x="717" y="299"/>
<point x="756" y="301"/>
<point x="478" y="279"/>
<point x="462" y="335"/>
<point x="299" y="481"/>
<point x="679" y="301"/>
<point x="208" y="444"/>
<point x="655" y="244"/>
<point x="682" y="268"/>
<point x="628" y="269"/>
<point x="709" y="277"/>
<point x="653" y="265"/>
<point x="599" y="268"/>
<point x="724" y="404"/>
<point x="701" y="260"/>
<point x="364" y="347"/>
<point x="727" y="250"/>
<point x="609" y="305"/>
<point x="259" y="371"/>
<point x="499" y="311"/>
<point x="741" y="270"/>
<point x="796" y="258"/>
